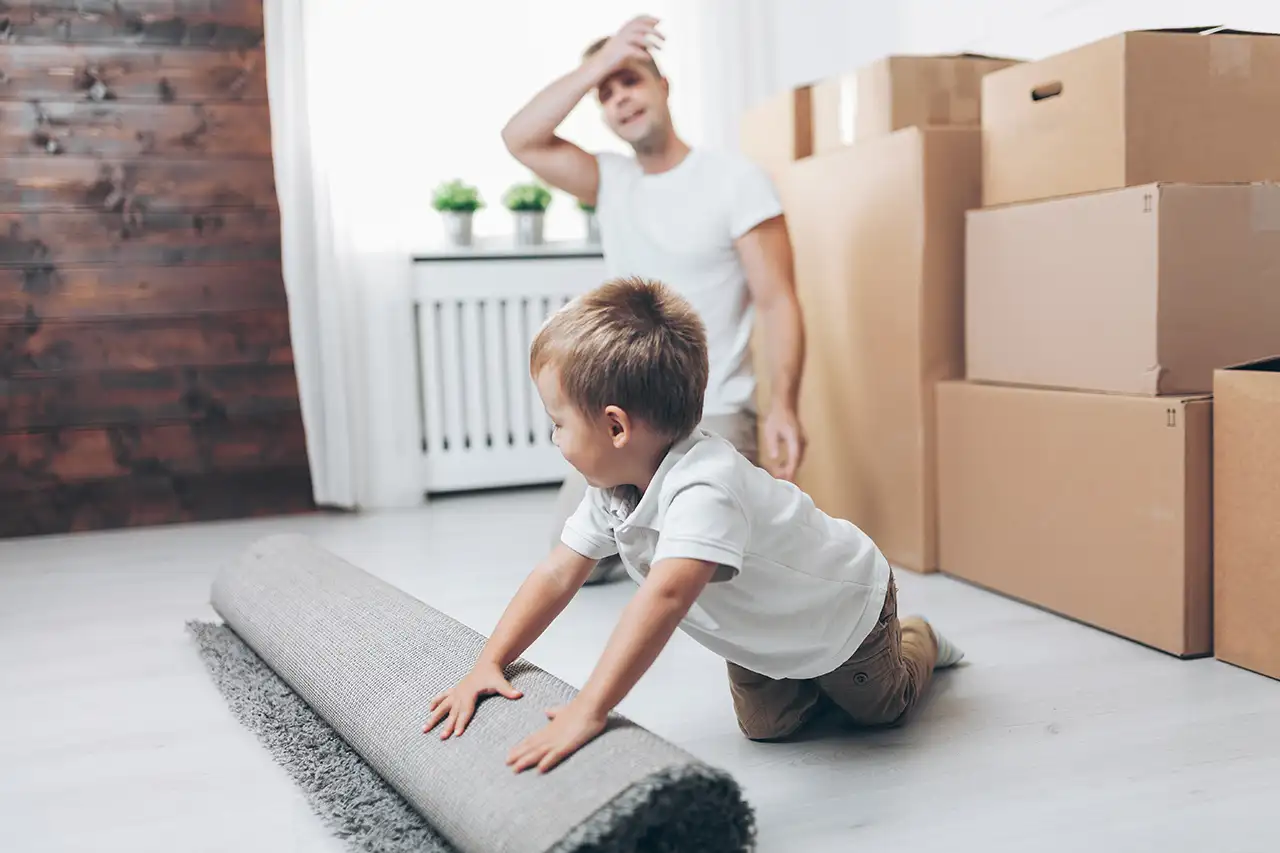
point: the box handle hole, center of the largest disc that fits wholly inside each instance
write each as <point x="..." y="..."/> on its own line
<point x="1048" y="90"/>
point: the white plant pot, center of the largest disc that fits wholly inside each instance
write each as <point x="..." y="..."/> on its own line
<point x="593" y="229"/>
<point x="458" y="226"/>
<point x="528" y="227"/>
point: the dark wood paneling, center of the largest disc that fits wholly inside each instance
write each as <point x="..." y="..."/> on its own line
<point x="71" y="183"/>
<point x="110" y="73"/>
<point x="146" y="343"/>
<point x="148" y="396"/>
<point x="154" y="499"/>
<point x="151" y="237"/>
<point x="120" y="130"/>
<point x="37" y="293"/>
<point x="191" y="23"/>
<point x="146" y="373"/>
<point x="47" y="458"/>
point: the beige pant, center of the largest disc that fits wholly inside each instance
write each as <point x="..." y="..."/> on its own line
<point x="739" y="429"/>
<point x="878" y="686"/>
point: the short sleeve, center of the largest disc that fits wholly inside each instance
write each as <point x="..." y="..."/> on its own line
<point x="589" y="531"/>
<point x="704" y="522"/>
<point x="754" y="198"/>
<point x="613" y="168"/>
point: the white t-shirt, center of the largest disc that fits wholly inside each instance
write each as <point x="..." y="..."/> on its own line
<point x="796" y="591"/>
<point x="679" y="227"/>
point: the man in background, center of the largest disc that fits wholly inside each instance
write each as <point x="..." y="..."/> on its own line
<point x="707" y="223"/>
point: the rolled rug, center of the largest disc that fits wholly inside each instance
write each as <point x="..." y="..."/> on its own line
<point x="366" y="659"/>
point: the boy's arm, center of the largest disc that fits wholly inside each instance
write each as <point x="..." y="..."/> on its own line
<point x="646" y="625"/>
<point x="541" y="598"/>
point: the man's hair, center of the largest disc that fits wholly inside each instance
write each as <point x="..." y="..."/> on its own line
<point x="631" y="343"/>
<point x="594" y="48"/>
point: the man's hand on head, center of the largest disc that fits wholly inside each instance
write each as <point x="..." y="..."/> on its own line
<point x="633" y="41"/>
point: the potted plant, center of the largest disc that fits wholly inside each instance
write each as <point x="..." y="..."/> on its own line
<point x="593" y="224"/>
<point x="528" y="203"/>
<point x="457" y="202"/>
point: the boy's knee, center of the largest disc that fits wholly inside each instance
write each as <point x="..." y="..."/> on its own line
<point x="770" y="732"/>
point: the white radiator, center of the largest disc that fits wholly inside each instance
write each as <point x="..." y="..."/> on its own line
<point x="482" y="423"/>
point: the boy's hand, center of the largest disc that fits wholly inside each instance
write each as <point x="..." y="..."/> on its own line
<point x="459" y="704"/>
<point x="572" y="726"/>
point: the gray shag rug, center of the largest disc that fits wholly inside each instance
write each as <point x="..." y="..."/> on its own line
<point x="354" y="801"/>
<point x="330" y="667"/>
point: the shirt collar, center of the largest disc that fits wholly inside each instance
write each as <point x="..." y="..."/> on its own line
<point x="622" y="500"/>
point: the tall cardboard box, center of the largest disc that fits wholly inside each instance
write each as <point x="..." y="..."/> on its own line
<point x="778" y="130"/>
<point x="878" y="235"/>
<point x="896" y="92"/>
<point x="1247" y="516"/>
<point x="1094" y="506"/>
<point x="1136" y="108"/>
<point x="1144" y="290"/>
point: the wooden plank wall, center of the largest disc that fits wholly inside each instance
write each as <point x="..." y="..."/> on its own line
<point x="146" y="374"/>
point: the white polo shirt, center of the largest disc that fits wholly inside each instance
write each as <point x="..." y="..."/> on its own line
<point x="796" y="592"/>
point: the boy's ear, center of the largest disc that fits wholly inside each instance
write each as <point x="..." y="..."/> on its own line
<point x="619" y="425"/>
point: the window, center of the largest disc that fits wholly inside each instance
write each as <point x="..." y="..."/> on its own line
<point x="405" y="94"/>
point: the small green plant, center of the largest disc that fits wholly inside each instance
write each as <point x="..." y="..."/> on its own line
<point x="531" y="196"/>
<point x="457" y="196"/>
<point x="586" y="208"/>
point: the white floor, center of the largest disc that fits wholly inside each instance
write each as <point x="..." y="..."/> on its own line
<point x="1055" y="737"/>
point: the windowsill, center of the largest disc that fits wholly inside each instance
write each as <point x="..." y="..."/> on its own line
<point x="504" y="248"/>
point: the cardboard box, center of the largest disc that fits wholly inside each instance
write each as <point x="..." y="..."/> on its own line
<point x="778" y="130"/>
<point x="1247" y="516"/>
<point x="1144" y="290"/>
<point x="898" y="92"/>
<point x="1136" y="108"/>
<point x="878" y="235"/>
<point x="1094" y="506"/>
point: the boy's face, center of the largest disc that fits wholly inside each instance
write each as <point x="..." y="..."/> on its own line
<point x="592" y="445"/>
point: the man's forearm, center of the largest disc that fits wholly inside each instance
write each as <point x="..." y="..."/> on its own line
<point x="784" y="345"/>
<point x="540" y="599"/>
<point x="536" y="123"/>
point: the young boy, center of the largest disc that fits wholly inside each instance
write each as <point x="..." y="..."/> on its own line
<point x="802" y="606"/>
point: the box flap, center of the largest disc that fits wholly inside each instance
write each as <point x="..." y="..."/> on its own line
<point x="1271" y="364"/>
<point x="1208" y="31"/>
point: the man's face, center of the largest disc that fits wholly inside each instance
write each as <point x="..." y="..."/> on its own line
<point x="634" y="102"/>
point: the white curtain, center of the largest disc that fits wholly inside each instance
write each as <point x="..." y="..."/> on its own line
<point x="347" y="285"/>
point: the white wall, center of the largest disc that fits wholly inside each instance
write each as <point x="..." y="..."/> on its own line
<point x="814" y="39"/>
<point x="752" y="49"/>
<point x="1032" y="29"/>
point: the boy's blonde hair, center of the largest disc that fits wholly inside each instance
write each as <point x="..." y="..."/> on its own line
<point x="631" y="343"/>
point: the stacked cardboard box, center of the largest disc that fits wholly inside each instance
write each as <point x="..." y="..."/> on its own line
<point x="779" y="130"/>
<point x="1115" y="267"/>
<point x="1247" y="516"/>
<point x="897" y="92"/>
<point x="877" y="227"/>
<point x="891" y="94"/>
<point x="878" y="235"/>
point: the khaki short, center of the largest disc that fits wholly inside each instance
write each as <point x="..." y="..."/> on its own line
<point x="878" y="685"/>
<point x="740" y="430"/>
